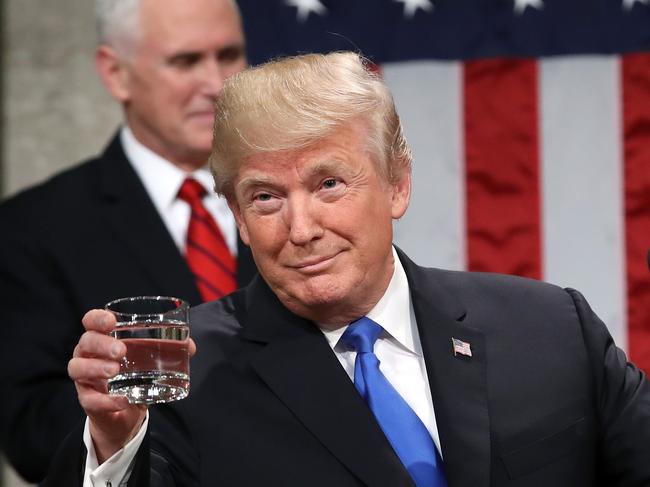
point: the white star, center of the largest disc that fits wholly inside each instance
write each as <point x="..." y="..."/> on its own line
<point x="305" y="7"/>
<point x="411" y="6"/>
<point x="521" y="5"/>
<point x="628" y="4"/>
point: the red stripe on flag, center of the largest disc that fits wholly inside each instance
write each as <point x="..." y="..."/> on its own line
<point x="502" y="167"/>
<point x="636" y="126"/>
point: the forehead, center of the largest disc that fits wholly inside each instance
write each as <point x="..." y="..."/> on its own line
<point x="344" y="152"/>
<point x="172" y="25"/>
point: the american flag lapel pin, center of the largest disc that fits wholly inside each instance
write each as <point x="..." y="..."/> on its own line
<point x="461" y="347"/>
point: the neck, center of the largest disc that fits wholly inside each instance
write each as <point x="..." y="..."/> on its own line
<point x="185" y="159"/>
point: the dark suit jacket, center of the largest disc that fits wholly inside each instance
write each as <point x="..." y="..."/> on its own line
<point x="89" y="235"/>
<point x="545" y="400"/>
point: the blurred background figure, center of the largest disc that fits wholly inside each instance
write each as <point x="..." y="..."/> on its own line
<point x="144" y="208"/>
<point x="529" y="121"/>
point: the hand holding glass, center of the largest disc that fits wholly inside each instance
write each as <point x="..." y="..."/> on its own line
<point x="155" y="330"/>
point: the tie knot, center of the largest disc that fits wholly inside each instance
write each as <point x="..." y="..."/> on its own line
<point x="361" y="335"/>
<point x="191" y="191"/>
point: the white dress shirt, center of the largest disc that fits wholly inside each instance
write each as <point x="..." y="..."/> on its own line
<point x="398" y="349"/>
<point x="162" y="180"/>
<point x="115" y="471"/>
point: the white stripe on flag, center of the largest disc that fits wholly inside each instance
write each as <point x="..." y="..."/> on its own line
<point x="428" y="96"/>
<point x="582" y="205"/>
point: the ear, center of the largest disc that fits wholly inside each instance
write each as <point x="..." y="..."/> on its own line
<point x="113" y="72"/>
<point x="241" y="224"/>
<point x="401" y="194"/>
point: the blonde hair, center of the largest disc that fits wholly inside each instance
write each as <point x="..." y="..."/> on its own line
<point x="291" y="103"/>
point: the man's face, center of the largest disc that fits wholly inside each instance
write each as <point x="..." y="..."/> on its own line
<point x="186" y="50"/>
<point x="319" y="223"/>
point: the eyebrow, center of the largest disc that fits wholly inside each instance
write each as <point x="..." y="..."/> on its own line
<point x="318" y="168"/>
<point x="175" y="57"/>
<point x="325" y="166"/>
<point x="332" y="165"/>
<point x="254" y="181"/>
<point x="234" y="48"/>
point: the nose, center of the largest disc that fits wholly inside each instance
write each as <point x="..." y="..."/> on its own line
<point x="211" y="77"/>
<point x="303" y="221"/>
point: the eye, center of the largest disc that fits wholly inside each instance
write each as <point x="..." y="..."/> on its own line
<point x="262" y="197"/>
<point x="185" y="60"/>
<point x="231" y="54"/>
<point x="331" y="189"/>
<point x="330" y="183"/>
<point x="265" y="203"/>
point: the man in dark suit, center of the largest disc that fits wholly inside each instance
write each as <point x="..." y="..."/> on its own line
<point x="344" y="363"/>
<point x="118" y="214"/>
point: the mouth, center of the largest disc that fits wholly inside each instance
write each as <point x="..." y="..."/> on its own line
<point x="204" y="116"/>
<point x="315" y="265"/>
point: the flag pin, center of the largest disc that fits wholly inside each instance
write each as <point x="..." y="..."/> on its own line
<point x="461" y="347"/>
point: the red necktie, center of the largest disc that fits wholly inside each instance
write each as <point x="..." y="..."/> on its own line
<point x="207" y="254"/>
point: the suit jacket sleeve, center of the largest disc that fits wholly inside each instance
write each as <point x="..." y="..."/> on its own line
<point x="150" y="467"/>
<point x="622" y="396"/>
<point x="68" y="464"/>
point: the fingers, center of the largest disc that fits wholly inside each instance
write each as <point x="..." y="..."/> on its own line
<point x="95" y="344"/>
<point x="96" y="359"/>
<point x="192" y="348"/>
<point x="92" y="369"/>
<point x="98" y="403"/>
<point x="99" y="320"/>
<point x="90" y="376"/>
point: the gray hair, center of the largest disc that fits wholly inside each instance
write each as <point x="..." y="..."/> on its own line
<point x="118" y="23"/>
<point x="291" y="103"/>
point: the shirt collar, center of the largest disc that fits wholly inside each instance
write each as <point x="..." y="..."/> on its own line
<point x="160" y="177"/>
<point x="394" y="312"/>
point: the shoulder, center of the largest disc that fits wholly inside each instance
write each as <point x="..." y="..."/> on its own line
<point x="483" y="289"/>
<point x="79" y="179"/>
<point x="215" y="329"/>
<point x="64" y="187"/>
<point x="69" y="192"/>
<point x="507" y="307"/>
<point x="217" y="317"/>
<point x="500" y="287"/>
<point x="479" y="287"/>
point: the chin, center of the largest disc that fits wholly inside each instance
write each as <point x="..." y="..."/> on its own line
<point x="203" y="146"/>
<point x="199" y="139"/>
<point x="318" y="294"/>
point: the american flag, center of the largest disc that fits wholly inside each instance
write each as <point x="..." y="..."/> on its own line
<point x="461" y="347"/>
<point x="530" y="126"/>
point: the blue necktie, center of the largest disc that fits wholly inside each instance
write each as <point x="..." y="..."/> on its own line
<point x="405" y="431"/>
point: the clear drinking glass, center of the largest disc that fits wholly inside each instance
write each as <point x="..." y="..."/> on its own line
<point x="155" y="330"/>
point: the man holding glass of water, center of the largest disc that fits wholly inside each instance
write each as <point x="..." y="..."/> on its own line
<point x="344" y="363"/>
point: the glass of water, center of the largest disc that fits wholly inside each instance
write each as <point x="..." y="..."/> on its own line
<point x="155" y="330"/>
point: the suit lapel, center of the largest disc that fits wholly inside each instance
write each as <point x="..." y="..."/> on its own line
<point x="458" y="383"/>
<point x="299" y="366"/>
<point x="134" y="220"/>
